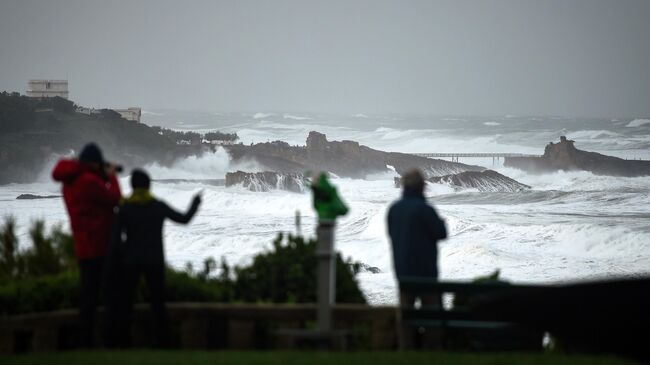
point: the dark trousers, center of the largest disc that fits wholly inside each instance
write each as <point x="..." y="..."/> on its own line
<point x="91" y="272"/>
<point x="410" y="337"/>
<point x="116" y="326"/>
<point x="154" y="274"/>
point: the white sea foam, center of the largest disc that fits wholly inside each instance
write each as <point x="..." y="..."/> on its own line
<point x="208" y="166"/>
<point x="295" y="117"/>
<point x="147" y="112"/>
<point x="593" y="134"/>
<point x="262" y="115"/>
<point x="45" y="175"/>
<point x="552" y="240"/>
<point x="492" y="123"/>
<point x="638" y="122"/>
<point x="570" y="225"/>
<point x="426" y="141"/>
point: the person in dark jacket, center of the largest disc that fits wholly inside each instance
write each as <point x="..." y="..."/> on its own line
<point x="138" y="241"/>
<point x="91" y="192"/>
<point x="415" y="228"/>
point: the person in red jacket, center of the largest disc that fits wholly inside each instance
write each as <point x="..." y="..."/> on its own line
<point x="91" y="192"/>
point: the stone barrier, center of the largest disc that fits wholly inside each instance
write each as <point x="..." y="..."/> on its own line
<point x="207" y="326"/>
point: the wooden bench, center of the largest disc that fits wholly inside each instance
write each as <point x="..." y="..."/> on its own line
<point x="465" y="326"/>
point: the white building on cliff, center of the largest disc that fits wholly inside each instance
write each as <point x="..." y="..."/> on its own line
<point x="47" y="88"/>
<point x="132" y="114"/>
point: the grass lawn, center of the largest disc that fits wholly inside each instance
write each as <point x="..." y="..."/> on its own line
<point x="288" y="358"/>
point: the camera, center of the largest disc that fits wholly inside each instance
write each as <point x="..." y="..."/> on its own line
<point x="118" y="168"/>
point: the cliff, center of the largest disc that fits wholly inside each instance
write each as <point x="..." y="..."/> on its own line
<point x="32" y="130"/>
<point x="266" y="181"/>
<point x="565" y="156"/>
<point x="343" y="158"/>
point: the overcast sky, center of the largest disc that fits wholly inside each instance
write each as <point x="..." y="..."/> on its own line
<point x="572" y="58"/>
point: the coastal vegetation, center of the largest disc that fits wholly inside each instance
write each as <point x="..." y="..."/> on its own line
<point x="35" y="130"/>
<point x="194" y="137"/>
<point x="44" y="276"/>
<point x="218" y="136"/>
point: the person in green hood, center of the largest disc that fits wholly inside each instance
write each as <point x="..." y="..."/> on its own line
<point x="137" y="250"/>
<point x="327" y="202"/>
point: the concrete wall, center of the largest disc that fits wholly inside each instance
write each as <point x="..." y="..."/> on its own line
<point x="47" y="88"/>
<point x="210" y="326"/>
<point x="132" y="114"/>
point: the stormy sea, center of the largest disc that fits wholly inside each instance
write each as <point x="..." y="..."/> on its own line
<point x="568" y="226"/>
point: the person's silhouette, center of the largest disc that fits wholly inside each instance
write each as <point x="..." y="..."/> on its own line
<point x="414" y="228"/>
<point x="138" y="242"/>
<point x="91" y="192"/>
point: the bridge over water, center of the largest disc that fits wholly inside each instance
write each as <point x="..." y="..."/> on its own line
<point x="455" y="156"/>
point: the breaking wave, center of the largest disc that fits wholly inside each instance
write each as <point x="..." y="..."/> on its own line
<point x="638" y="122"/>
<point x="208" y="166"/>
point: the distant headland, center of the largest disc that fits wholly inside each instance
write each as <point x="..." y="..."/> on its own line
<point x="33" y="129"/>
<point x="565" y="156"/>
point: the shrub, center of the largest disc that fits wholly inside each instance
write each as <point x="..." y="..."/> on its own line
<point x="219" y="136"/>
<point x="8" y="246"/>
<point x="288" y="274"/>
<point x="49" y="254"/>
<point x="45" y="277"/>
<point x="40" y="294"/>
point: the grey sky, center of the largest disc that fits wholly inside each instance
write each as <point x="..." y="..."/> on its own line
<point x="574" y="58"/>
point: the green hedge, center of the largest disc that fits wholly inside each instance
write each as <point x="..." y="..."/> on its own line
<point x="40" y="294"/>
<point x="288" y="274"/>
<point x="45" y="277"/>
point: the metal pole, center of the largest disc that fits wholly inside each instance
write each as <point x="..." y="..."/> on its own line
<point x="298" y="227"/>
<point x="326" y="273"/>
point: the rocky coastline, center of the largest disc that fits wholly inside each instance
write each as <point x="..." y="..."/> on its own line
<point x="267" y="181"/>
<point x="483" y="181"/>
<point x="565" y="156"/>
<point x="342" y="158"/>
<point x="35" y="197"/>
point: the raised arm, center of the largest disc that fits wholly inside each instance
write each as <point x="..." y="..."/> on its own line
<point x="180" y="217"/>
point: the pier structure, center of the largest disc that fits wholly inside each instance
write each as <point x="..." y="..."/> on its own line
<point x="455" y="156"/>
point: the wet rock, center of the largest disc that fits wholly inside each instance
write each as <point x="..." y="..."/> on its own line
<point x="267" y="181"/>
<point x="343" y="158"/>
<point x="33" y="197"/>
<point x="485" y="181"/>
<point x="370" y="269"/>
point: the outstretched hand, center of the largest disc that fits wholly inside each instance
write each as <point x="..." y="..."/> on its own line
<point x="196" y="201"/>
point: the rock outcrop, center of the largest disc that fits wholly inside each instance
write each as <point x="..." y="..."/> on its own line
<point x="565" y="156"/>
<point x="33" y="197"/>
<point x="485" y="181"/>
<point x="370" y="269"/>
<point x="343" y="158"/>
<point x="267" y="181"/>
<point x="213" y="182"/>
